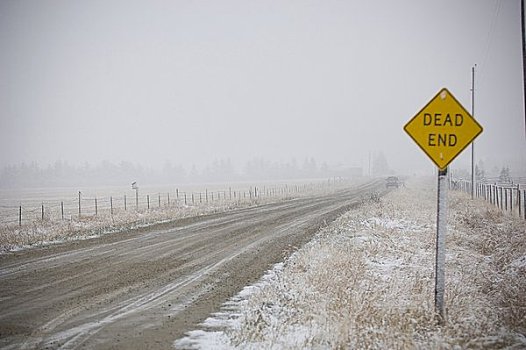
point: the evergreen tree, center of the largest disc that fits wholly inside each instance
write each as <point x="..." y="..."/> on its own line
<point x="504" y="176"/>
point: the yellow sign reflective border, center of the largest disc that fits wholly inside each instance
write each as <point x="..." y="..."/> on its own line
<point x="443" y="128"/>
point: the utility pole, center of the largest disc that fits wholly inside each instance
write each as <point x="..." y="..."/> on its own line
<point x="369" y="163"/>
<point x="473" y="143"/>
<point x="523" y="61"/>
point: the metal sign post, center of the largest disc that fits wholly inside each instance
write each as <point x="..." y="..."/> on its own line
<point x="136" y="188"/>
<point x="442" y="129"/>
<point x="441" y="245"/>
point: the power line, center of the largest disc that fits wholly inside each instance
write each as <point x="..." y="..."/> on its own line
<point x="489" y="40"/>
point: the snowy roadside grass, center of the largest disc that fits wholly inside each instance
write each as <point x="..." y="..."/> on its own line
<point x="52" y="230"/>
<point x="367" y="282"/>
<point x="40" y="233"/>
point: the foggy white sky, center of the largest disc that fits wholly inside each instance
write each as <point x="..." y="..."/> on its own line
<point x="194" y="81"/>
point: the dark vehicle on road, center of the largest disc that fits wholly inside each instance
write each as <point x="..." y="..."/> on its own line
<point x="392" y="181"/>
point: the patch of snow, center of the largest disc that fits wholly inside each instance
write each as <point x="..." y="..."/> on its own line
<point x="519" y="263"/>
<point x="367" y="281"/>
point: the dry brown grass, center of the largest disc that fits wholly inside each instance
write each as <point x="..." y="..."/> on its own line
<point x="52" y="229"/>
<point x="48" y="231"/>
<point x="367" y="282"/>
<point x="500" y="241"/>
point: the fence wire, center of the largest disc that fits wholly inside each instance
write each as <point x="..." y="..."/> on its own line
<point x="508" y="197"/>
<point x="80" y="206"/>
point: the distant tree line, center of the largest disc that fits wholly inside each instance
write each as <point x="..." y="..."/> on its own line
<point x="500" y="175"/>
<point x="63" y="174"/>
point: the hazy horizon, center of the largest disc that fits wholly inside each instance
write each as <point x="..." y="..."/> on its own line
<point x="191" y="83"/>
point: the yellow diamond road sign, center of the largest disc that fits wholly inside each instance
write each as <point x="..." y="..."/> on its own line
<point x="443" y="128"/>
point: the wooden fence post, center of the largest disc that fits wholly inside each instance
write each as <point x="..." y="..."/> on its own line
<point x="519" y="201"/>
<point x="42" y="211"/>
<point x="62" y="209"/>
<point x="96" y="209"/>
<point x="511" y="199"/>
<point x="20" y="216"/>
<point x="124" y="202"/>
<point x="148" y="200"/>
<point x="491" y="193"/>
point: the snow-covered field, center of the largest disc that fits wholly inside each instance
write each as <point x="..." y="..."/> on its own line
<point x="367" y="282"/>
<point x="38" y="232"/>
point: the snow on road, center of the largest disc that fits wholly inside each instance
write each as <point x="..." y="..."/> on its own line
<point x="145" y="288"/>
<point x="367" y="281"/>
<point x="35" y="232"/>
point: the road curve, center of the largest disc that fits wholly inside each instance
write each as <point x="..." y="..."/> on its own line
<point x="143" y="289"/>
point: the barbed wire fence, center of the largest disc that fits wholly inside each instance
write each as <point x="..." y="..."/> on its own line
<point x="509" y="197"/>
<point x="81" y="207"/>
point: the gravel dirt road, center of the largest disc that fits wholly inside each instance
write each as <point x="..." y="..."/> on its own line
<point x="143" y="289"/>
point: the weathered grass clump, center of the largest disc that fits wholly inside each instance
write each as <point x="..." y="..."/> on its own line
<point x="48" y="231"/>
<point x="53" y="229"/>
<point x="498" y="241"/>
<point x="367" y="282"/>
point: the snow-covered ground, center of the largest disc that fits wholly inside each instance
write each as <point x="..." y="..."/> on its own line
<point x="367" y="282"/>
<point x="52" y="229"/>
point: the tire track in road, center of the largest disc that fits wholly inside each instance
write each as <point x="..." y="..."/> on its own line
<point x="146" y="288"/>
